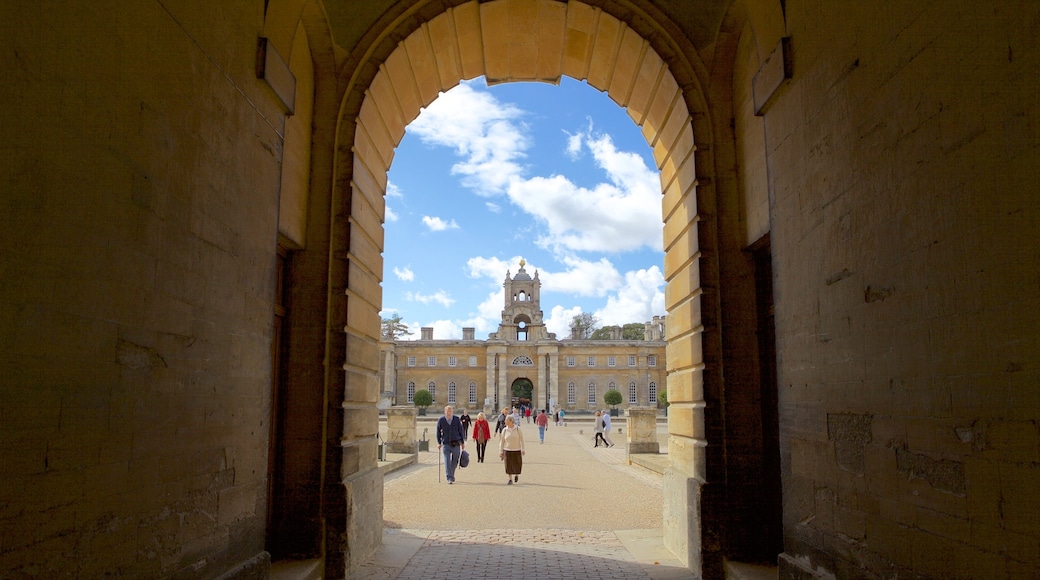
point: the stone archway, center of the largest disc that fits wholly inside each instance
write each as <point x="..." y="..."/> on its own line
<point x="540" y="40"/>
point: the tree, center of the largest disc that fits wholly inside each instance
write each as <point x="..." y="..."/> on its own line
<point x="630" y="331"/>
<point x="662" y="398"/>
<point x="583" y="324"/>
<point x="612" y="398"/>
<point x="422" y="398"/>
<point x="393" y="328"/>
<point x="633" y="331"/>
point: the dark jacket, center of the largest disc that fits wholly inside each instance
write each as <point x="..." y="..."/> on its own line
<point x="450" y="432"/>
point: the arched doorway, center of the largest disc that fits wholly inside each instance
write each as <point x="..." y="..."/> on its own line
<point x="543" y="40"/>
<point x="522" y="390"/>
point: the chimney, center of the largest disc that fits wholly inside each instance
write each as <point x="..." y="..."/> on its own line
<point x="427" y="333"/>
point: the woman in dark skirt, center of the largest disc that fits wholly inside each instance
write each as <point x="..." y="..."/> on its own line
<point x="511" y="449"/>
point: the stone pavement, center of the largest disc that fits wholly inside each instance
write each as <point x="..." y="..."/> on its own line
<point x="577" y="512"/>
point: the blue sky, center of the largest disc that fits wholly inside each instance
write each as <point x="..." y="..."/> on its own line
<point x="557" y="175"/>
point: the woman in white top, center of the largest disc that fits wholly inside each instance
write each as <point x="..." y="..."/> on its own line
<point x="511" y="449"/>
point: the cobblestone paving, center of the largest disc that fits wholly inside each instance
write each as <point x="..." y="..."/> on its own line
<point x="553" y="554"/>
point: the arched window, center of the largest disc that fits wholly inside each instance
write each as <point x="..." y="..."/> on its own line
<point x="523" y="361"/>
<point x="411" y="392"/>
<point x="432" y="387"/>
<point x="451" y="393"/>
<point x="472" y="393"/>
<point x="592" y="393"/>
<point x="632" y="393"/>
<point x="571" y="394"/>
<point x="653" y="393"/>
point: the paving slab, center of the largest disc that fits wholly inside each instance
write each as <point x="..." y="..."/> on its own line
<point x="577" y="512"/>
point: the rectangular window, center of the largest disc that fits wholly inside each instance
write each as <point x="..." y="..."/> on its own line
<point x="431" y="361"/>
<point x="610" y="361"/>
<point x="472" y="361"/>
<point x="451" y="361"/>
<point x="592" y="393"/>
<point x="570" y="361"/>
<point x="411" y="392"/>
<point x="451" y="393"/>
<point x="651" y="361"/>
<point x="571" y="394"/>
<point x="631" y="360"/>
<point x="411" y="361"/>
<point x="632" y="393"/>
<point x="473" y="393"/>
<point x="592" y="361"/>
<point x="653" y="393"/>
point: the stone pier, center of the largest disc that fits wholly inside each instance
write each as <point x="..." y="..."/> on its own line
<point x="400" y="429"/>
<point x="642" y="430"/>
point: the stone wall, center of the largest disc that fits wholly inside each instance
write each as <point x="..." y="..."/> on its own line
<point x="138" y="215"/>
<point x="904" y="163"/>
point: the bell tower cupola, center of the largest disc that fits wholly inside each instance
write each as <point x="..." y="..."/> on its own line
<point x="521" y="313"/>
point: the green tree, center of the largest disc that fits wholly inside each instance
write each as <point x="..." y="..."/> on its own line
<point x="612" y="398"/>
<point x="422" y="398"/>
<point x="630" y="331"/>
<point x="582" y="325"/>
<point x="633" y="331"/>
<point x="394" y="328"/>
<point x="662" y="398"/>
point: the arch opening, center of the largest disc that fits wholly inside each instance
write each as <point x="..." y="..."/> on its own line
<point x="586" y="43"/>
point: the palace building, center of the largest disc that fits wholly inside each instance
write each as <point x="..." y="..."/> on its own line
<point x="523" y="360"/>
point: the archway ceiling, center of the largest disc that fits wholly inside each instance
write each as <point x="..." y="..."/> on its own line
<point x="355" y="25"/>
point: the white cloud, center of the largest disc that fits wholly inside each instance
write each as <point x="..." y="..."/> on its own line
<point x="574" y="144"/>
<point x="559" y="320"/>
<point x="493" y="207"/>
<point x="445" y="329"/>
<point x="404" y="274"/>
<point x="637" y="300"/>
<point x="583" y="277"/>
<point x="482" y="132"/>
<point x="494" y="269"/>
<point x="436" y="224"/>
<point x="438" y="297"/>
<point x="392" y="191"/>
<point x="622" y="215"/>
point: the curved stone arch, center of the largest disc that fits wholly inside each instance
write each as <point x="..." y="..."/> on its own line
<point x="522" y="361"/>
<point x="429" y="50"/>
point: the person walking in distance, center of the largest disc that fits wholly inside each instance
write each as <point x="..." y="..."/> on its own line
<point x="606" y="430"/>
<point x="501" y="423"/>
<point x="481" y="434"/>
<point x="511" y="449"/>
<point x="466" y="422"/>
<point x="543" y="423"/>
<point x="451" y="440"/>
<point x="599" y="430"/>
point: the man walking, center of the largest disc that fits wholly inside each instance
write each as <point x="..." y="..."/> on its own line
<point x="451" y="440"/>
<point x="543" y="422"/>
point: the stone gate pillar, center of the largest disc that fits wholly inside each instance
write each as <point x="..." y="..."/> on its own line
<point x="400" y="429"/>
<point x="642" y="430"/>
